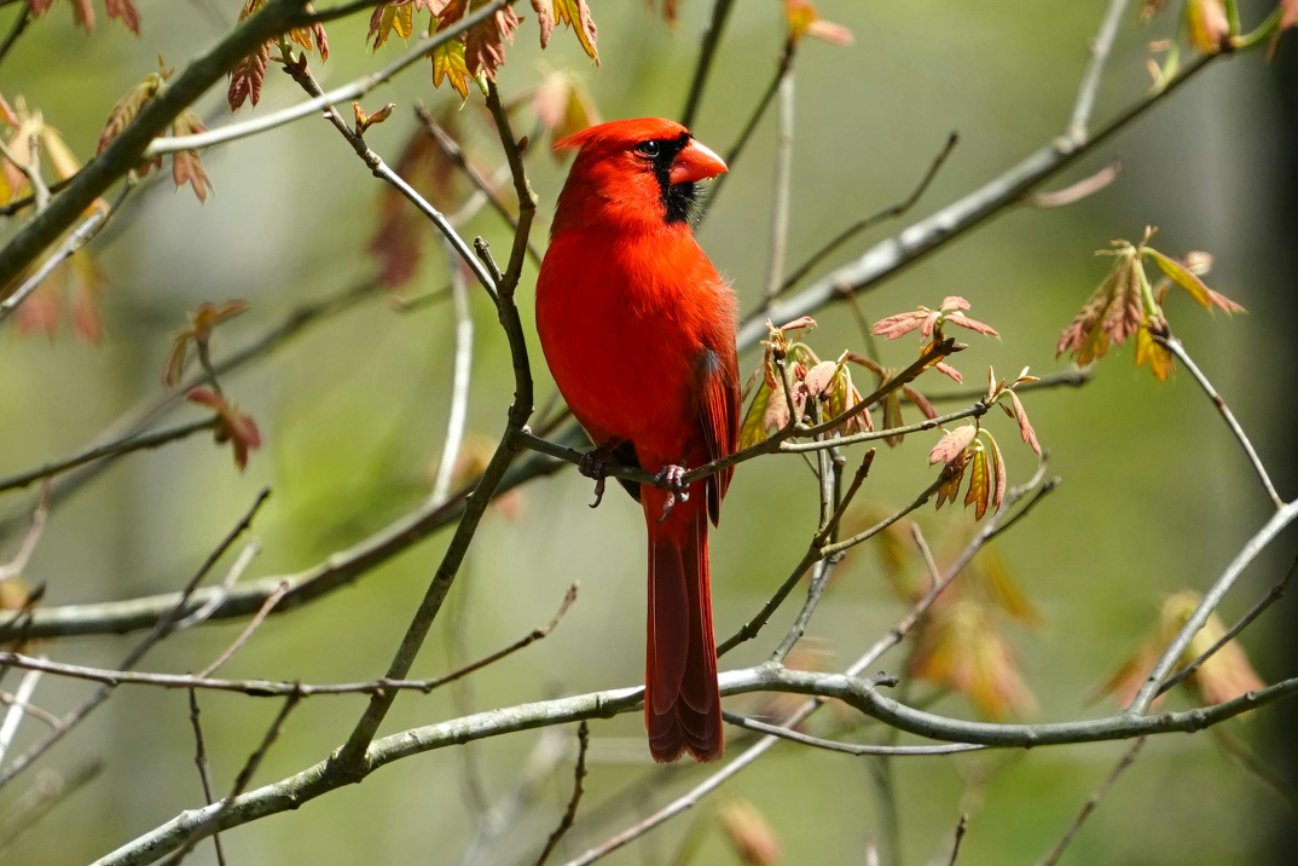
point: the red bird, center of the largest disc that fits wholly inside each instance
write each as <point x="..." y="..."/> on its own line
<point x="639" y="331"/>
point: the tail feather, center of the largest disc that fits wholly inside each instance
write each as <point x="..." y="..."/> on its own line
<point x="682" y="701"/>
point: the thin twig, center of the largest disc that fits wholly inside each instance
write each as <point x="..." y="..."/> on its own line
<point x="17" y="709"/>
<point x="461" y="371"/>
<point x="1101" y="46"/>
<point x="20" y="24"/>
<point x="1244" y="622"/>
<point x="1128" y="758"/>
<point x="782" y="68"/>
<point x="117" y="448"/>
<point x="113" y="677"/>
<point x="31" y="169"/>
<point x="419" y="50"/>
<point x="711" y="39"/>
<point x="253" y="624"/>
<point x="783" y="185"/>
<point x="380" y="169"/>
<point x="1177" y="348"/>
<point x="889" y="213"/>
<point x="961" y="828"/>
<point x="204" y="771"/>
<point x="164" y="626"/>
<point x="923" y="238"/>
<point x="858" y="749"/>
<point x="241" y="563"/>
<point x="294" y="791"/>
<point x="75" y="241"/>
<point x="241" y="782"/>
<point x="578" y="786"/>
<point x="1211" y="599"/>
<point x="352" y="759"/>
<point x="32" y="537"/>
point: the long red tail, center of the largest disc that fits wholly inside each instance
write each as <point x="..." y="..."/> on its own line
<point x="682" y="703"/>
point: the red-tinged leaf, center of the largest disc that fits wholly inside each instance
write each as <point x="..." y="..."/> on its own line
<point x="127" y="108"/>
<point x="999" y="479"/>
<point x="799" y="324"/>
<point x="979" y="492"/>
<point x="238" y="429"/>
<point x="953" y="444"/>
<point x="954" y="474"/>
<point x="899" y="325"/>
<point x="670" y="11"/>
<point x="83" y="14"/>
<point x="187" y="168"/>
<point x="828" y="31"/>
<point x="206" y="316"/>
<point x="819" y="378"/>
<point x="951" y="303"/>
<point x="41" y="312"/>
<point x="576" y="14"/>
<point x="920" y="401"/>
<point x="485" y="43"/>
<point x="389" y="18"/>
<point x="964" y="321"/>
<point x="246" y="78"/>
<point x="124" y="11"/>
<point x="1025" y="426"/>
<point x="776" y="416"/>
<point x="929" y="323"/>
<point x="544" y="20"/>
<point x="39" y="7"/>
<point x="950" y="372"/>
<point x="450" y="65"/>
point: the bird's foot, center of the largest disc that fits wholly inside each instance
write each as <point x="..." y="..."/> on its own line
<point x="594" y="464"/>
<point x="672" y="478"/>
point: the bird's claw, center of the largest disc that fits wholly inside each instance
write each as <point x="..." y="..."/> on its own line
<point x="672" y="478"/>
<point x="594" y="464"/>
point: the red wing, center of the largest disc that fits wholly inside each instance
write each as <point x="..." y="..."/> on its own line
<point x="719" y="417"/>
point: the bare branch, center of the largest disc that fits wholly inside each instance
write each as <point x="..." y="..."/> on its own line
<point x="1177" y="348"/>
<point x="1101" y="46"/>
<point x="1128" y="758"/>
<point x="711" y="39"/>
<point x="578" y="786"/>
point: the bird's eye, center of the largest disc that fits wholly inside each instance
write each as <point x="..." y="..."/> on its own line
<point x="649" y="148"/>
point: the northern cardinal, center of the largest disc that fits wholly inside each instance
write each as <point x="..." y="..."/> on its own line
<point x="639" y="331"/>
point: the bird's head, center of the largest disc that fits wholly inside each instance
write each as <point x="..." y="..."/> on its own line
<point x="634" y="174"/>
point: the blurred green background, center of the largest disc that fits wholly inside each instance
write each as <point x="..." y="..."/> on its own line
<point x="1156" y="496"/>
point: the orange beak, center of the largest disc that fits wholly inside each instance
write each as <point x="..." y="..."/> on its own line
<point x="696" y="162"/>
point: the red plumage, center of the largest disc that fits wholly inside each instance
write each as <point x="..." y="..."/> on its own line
<point x="639" y="331"/>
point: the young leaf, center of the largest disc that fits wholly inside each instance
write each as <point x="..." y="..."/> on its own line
<point x="952" y="445"/>
<point x="231" y="426"/>
<point x="246" y="77"/>
<point x="484" y="46"/>
<point x="124" y="11"/>
<point x="979" y="493"/>
<point x="389" y="18"/>
<point x="576" y="14"/>
<point x="1188" y="280"/>
<point x="544" y="20"/>
<point x="563" y="106"/>
<point x="187" y="165"/>
<point x="450" y="64"/>
<point x="128" y="107"/>
<point x="754" y="428"/>
<point x="1025" y="426"/>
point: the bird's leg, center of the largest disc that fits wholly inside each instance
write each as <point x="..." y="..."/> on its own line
<point x="672" y="479"/>
<point x="594" y="464"/>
